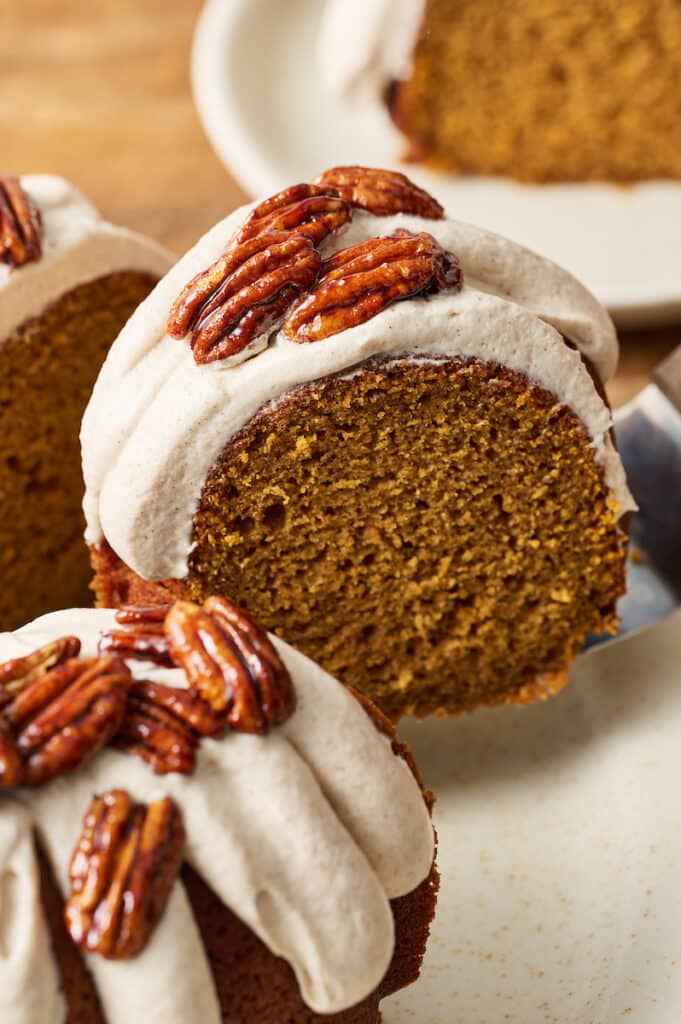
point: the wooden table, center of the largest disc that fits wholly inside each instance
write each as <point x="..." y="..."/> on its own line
<point x="99" y="92"/>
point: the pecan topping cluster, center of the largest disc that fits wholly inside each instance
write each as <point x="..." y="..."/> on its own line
<point x="357" y="283"/>
<point x="235" y="679"/>
<point x="20" y="224"/>
<point x="229" y="660"/>
<point x="122" y="872"/>
<point x="273" y="264"/>
<point x="57" y="710"/>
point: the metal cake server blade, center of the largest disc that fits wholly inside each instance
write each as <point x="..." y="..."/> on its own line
<point x="648" y="431"/>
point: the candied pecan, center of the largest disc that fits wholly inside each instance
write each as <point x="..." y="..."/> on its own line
<point x="359" y="282"/>
<point x="310" y="210"/>
<point x="229" y="660"/>
<point x="20" y="224"/>
<point x="162" y="726"/>
<point x="17" y="674"/>
<point x="65" y="715"/>
<point x="380" y="192"/>
<point x="12" y="772"/>
<point x="188" y="707"/>
<point x="122" y="872"/>
<point x="245" y="294"/>
<point x="141" y="637"/>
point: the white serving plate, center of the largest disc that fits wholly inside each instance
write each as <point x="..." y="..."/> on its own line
<point x="559" y="823"/>
<point x="560" y="850"/>
<point x="256" y="84"/>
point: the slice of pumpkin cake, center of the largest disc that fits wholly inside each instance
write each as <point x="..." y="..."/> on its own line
<point x="380" y="429"/>
<point x="545" y="91"/>
<point x="68" y="283"/>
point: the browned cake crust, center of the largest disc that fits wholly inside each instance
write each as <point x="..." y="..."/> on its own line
<point x="437" y="535"/>
<point x="546" y="91"/>
<point x="48" y="367"/>
<point x="252" y="984"/>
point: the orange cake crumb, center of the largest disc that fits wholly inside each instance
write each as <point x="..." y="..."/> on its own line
<point x="547" y="91"/>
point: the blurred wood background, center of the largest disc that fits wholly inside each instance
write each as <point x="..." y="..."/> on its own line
<point x="99" y="92"/>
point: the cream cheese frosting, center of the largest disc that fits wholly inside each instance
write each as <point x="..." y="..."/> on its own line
<point x="77" y="246"/>
<point x="305" y="834"/>
<point x="157" y="422"/>
<point x="364" y="45"/>
<point x="29" y="984"/>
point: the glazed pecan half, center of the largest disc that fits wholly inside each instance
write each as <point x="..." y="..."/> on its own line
<point x="245" y="294"/>
<point x="308" y="209"/>
<point x="20" y="224"/>
<point x="62" y="717"/>
<point x="229" y="660"/>
<point x="162" y="726"/>
<point x="141" y="636"/>
<point x="382" y="193"/>
<point x="12" y="772"/>
<point x="17" y="674"/>
<point x="122" y="872"/>
<point x="359" y="282"/>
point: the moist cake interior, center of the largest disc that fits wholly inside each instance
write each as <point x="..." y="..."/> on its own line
<point x="49" y="365"/>
<point x="548" y="90"/>
<point x="433" y="533"/>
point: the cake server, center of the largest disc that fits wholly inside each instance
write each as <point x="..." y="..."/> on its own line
<point x="648" y="431"/>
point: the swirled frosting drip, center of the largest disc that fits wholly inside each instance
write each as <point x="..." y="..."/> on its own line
<point x="364" y="45"/>
<point x="29" y="984"/>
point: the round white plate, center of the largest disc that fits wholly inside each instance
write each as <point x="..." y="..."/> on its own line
<point x="560" y="850"/>
<point x="256" y="84"/>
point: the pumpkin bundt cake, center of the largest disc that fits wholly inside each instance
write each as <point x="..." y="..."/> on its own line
<point x="553" y="90"/>
<point x="134" y="742"/>
<point x="382" y="431"/>
<point x="68" y="283"/>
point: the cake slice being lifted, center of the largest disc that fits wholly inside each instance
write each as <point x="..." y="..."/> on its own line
<point x="382" y="430"/>
<point x="68" y="283"/>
